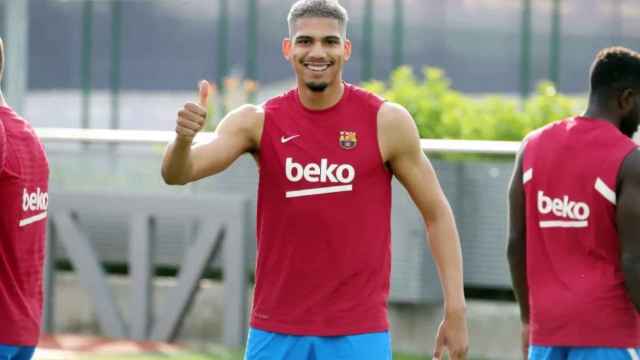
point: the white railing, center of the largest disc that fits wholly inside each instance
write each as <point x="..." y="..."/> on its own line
<point x="163" y="137"/>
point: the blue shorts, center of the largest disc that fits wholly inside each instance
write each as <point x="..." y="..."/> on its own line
<point x="16" y="352"/>
<point x="264" y="345"/>
<point x="582" y="353"/>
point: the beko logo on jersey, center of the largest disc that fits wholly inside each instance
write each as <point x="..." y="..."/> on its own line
<point x="573" y="213"/>
<point x="324" y="172"/>
<point x="35" y="201"/>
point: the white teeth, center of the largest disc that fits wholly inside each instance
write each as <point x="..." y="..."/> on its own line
<point x="317" y="67"/>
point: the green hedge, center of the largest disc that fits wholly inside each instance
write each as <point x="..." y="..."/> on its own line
<point x="444" y="113"/>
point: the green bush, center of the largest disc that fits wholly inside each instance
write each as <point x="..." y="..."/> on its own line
<point x="444" y="113"/>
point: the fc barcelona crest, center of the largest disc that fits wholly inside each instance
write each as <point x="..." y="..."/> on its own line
<point x="348" y="140"/>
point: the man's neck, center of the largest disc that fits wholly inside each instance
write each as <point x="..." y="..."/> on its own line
<point x="321" y="100"/>
<point x="596" y="111"/>
<point x="3" y="102"/>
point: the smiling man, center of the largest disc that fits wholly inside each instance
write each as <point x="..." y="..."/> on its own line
<point x="326" y="151"/>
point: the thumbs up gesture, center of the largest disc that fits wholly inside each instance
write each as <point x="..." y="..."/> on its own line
<point x="192" y="116"/>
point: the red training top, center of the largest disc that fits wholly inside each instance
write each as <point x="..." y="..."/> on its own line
<point x="24" y="174"/>
<point x="576" y="285"/>
<point x="323" y="229"/>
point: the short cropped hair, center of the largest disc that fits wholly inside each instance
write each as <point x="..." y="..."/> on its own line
<point x="318" y="9"/>
<point x="615" y="68"/>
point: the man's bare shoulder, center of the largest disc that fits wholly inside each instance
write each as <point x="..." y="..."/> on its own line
<point x="247" y="115"/>
<point x="247" y="120"/>
<point x="397" y="130"/>
<point x="630" y="172"/>
<point x="395" y="117"/>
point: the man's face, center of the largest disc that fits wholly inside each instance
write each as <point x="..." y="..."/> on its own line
<point x="317" y="51"/>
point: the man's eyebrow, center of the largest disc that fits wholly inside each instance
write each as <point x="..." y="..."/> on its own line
<point x="328" y="37"/>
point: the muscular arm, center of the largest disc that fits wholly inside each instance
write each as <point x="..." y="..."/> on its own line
<point x="402" y="151"/>
<point x="516" y="244"/>
<point x="400" y="147"/>
<point x="236" y="134"/>
<point x="628" y="222"/>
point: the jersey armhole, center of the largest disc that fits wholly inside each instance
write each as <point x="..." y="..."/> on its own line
<point x="264" y="134"/>
<point x="522" y="153"/>
<point x="619" y="174"/>
<point x="383" y="164"/>
<point x="3" y="147"/>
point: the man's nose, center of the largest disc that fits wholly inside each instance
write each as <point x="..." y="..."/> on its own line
<point x="317" y="50"/>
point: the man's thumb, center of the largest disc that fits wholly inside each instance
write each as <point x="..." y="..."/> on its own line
<point x="203" y="93"/>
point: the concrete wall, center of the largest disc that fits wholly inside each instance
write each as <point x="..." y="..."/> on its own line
<point x="494" y="326"/>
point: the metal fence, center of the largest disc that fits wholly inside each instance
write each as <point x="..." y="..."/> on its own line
<point x="143" y="223"/>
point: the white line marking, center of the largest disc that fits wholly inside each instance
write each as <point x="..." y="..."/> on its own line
<point x="528" y="175"/>
<point x="319" y="191"/>
<point x="32" y="219"/>
<point x="605" y="191"/>
<point x="633" y="354"/>
<point x="563" y="224"/>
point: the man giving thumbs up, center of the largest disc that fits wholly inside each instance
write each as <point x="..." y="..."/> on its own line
<point x="326" y="151"/>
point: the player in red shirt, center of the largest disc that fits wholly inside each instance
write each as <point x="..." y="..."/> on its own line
<point x="24" y="174"/>
<point x="574" y="223"/>
<point x="326" y="152"/>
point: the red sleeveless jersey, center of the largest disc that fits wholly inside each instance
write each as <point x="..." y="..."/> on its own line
<point x="24" y="174"/>
<point x="323" y="226"/>
<point x="576" y="285"/>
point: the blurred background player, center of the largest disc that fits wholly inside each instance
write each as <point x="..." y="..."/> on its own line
<point x="326" y="151"/>
<point x="574" y="245"/>
<point x="24" y="177"/>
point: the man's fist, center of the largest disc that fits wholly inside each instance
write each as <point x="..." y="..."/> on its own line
<point x="192" y="116"/>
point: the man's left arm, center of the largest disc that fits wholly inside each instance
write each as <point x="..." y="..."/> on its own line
<point x="401" y="151"/>
<point x="517" y="247"/>
<point x="627" y="215"/>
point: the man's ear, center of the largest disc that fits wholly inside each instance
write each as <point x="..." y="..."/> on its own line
<point x="286" y="48"/>
<point x="626" y="100"/>
<point x="348" y="47"/>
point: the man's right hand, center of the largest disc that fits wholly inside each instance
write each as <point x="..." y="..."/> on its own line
<point x="237" y="133"/>
<point x="192" y="116"/>
<point x="452" y="337"/>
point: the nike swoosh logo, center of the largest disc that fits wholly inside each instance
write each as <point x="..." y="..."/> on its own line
<point x="287" y="139"/>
